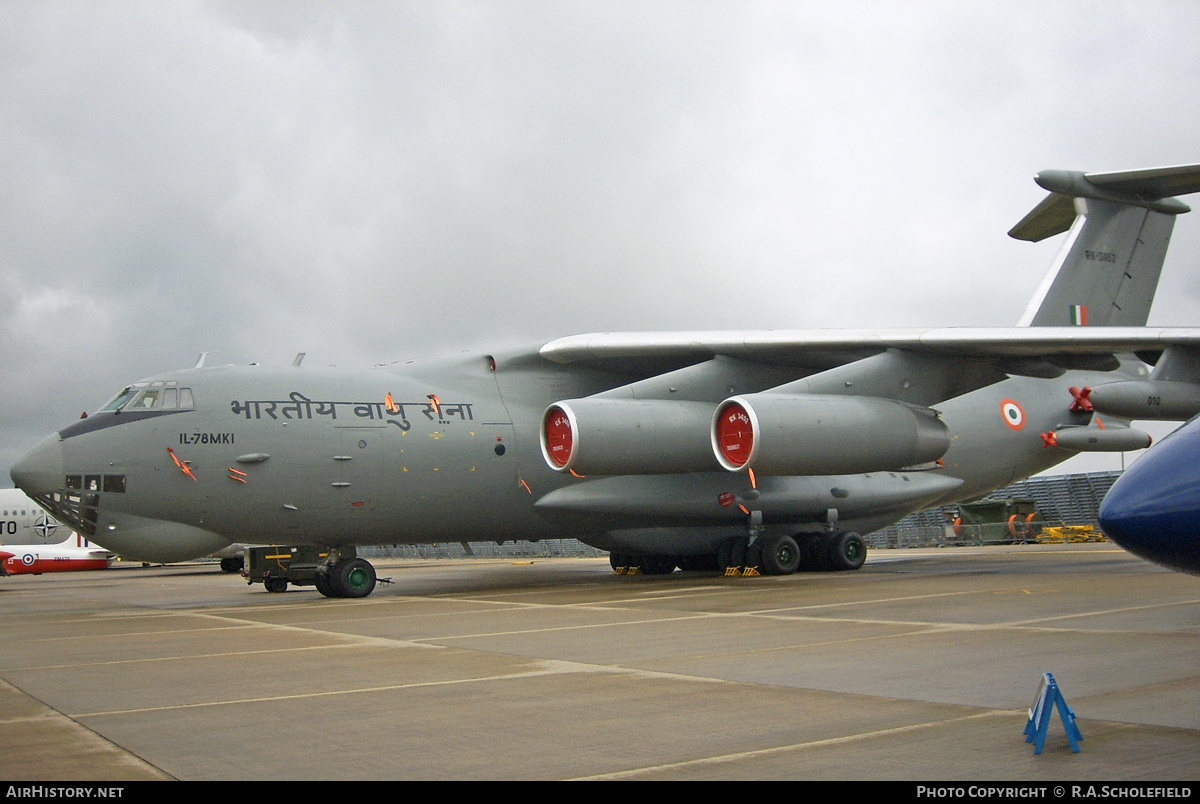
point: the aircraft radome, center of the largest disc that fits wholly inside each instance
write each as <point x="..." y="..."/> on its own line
<point x="32" y="542"/>
<point x="745" y="452"/>
<point x="1153" y="510"/>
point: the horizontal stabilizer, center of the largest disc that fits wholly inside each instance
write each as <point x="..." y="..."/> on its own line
<point x="1151" y="183"/>
<point x="1151" y="188"/>
<point x="1054" y="215"/>
<point x="1107" y="270"/>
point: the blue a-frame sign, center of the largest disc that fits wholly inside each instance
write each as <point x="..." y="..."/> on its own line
<point x="1048" y="697"/>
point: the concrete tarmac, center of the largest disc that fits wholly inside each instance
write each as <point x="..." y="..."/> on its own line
<point x="920" y="666"/>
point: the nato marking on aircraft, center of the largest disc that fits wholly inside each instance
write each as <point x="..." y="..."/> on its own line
<point x="745" y="452"/>
<point x="32" y="542"/>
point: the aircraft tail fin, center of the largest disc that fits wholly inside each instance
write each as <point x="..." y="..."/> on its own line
<point x="1120" y="225"/>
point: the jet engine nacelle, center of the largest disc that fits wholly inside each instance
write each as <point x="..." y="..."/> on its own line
<point x="601" y="436"/>
<point x="811" y="434"/>
<point x="1147" y="399"/>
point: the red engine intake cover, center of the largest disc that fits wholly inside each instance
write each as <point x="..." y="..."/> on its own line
<point x="559" y="438"/>
<point x="735" y="434"/>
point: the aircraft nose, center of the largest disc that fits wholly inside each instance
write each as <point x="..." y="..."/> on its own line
<point x="1153" y="510"/>
<point x="40" y="471"/>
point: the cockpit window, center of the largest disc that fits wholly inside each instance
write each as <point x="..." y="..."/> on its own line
<point x="160" y="395"/>
<point x="145" y="400"/>
<point x="120" y="399"/>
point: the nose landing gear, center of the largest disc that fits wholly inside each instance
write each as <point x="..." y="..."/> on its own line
<point x="336" y="572"/>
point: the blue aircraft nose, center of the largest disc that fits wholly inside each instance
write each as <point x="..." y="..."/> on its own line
<point x="41" y="471"/>
<point x="1153" y="510"/>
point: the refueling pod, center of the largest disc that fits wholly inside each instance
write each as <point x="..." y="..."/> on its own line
<point x="812" y="434"/>
<point x="1094" y="439"/>
<point x="1146" y="399"/>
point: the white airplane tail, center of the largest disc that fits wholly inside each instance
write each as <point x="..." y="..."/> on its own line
<point x="1120" y="225"/>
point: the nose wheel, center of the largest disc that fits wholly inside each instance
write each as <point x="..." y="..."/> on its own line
<point x="353" y="577"/>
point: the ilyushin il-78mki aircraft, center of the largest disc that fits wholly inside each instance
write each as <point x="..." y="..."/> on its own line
<point x="744" y="452"/>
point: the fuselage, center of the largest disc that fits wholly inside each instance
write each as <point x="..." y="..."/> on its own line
<point x="182" y="464"/>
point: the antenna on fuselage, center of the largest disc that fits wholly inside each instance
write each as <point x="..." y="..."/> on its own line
<point x="299" y="358"/>
<point x="200" y="360"/>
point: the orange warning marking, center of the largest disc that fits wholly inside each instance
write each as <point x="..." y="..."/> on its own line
<point x="182" y="466"/>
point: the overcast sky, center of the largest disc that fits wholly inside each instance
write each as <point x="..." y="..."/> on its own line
<point x="374" y="181"/>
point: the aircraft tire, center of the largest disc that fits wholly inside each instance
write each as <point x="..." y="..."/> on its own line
<point x="814" y="549"/>
<point x="847" y="551"/>
<point x="618" y="561"/>
<point x="232" y="564"/>
<point x="353" y="578"/>
<point x="275" y="584"/>
<point x="724" y="555"/>
<point x="733" y="553"/>
<point x="321" y="581"/>
<point x="701" y="563"/>
<point x="658" y="565"/>
<point x="780" y="555"/>
<point x="754" y="555"/>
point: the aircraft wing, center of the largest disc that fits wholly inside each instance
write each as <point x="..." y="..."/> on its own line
<point x="821" y="347"/>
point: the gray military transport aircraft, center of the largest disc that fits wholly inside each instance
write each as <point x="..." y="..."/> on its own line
<point x="746" y="451"/>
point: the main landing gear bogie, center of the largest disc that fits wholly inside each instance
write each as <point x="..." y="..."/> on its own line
<point x="775" y="554"/>
<point x="626" y="564"/>
<point x="832" y="552"/>
<point x="630" y="564"/>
